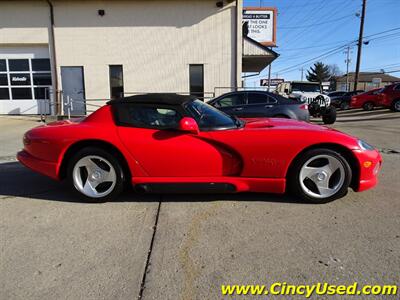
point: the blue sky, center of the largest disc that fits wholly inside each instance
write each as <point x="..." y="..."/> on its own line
<point x="341" y="26"/>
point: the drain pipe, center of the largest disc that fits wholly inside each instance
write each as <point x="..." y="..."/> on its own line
<point x="239" y="45"/>
<point x="53" y="59"/>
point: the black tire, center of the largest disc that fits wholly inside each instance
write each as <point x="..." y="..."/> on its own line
<point x="368" y="106"/>
<point x="329" y="116"/>
<point x="92" y="151"/>
<point x="344" y="105"/>
<point x="293" y="179"/>
<point x="395" y="105"/>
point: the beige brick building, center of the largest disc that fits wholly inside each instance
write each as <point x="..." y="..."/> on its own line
<point x="104" y="49"/>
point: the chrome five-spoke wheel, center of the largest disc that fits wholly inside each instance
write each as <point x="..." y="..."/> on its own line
<point x="322" y="176"/>
<point x="94" y="176"/>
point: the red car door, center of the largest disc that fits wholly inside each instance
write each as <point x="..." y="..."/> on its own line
<point x="147" y="132"/>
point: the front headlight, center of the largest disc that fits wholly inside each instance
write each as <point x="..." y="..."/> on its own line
<point x="365" y="146"/>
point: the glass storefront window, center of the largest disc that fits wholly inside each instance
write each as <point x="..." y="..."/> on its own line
<point x="4" y="94"/>
<point x="18" y="65"/>
<point x="20" y="79"/>
<point x="21" y="93"/>
<point x="3" y="79"/>
<point x="40" y="64"/>
<point x="41" y="78"/>
<point x="3" y="66"/>
<point x="19" y="82"/>
<point x="41" y="92"/>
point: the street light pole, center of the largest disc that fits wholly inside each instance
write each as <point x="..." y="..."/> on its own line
<point x="360" y="41"/>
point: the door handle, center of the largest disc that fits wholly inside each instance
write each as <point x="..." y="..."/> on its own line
<point x="238" y="108"/>
<point x="268" y="106"/>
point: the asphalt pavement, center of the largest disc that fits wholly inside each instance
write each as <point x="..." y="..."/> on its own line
<point x="185" y="246"/>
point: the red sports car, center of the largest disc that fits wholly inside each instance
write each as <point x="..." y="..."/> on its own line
<point x="367" y="100"/>
<point x="175" y="143"/>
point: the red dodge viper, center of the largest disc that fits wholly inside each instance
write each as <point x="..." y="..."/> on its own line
<point x="174" y="143"/>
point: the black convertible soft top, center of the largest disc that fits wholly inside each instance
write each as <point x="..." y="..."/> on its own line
<point x="155" y="98"/>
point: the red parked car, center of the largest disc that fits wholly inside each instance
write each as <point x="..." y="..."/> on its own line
<point x="367" y="100"/>
<point x="175" y="143"/>
<point x="391" y="97"/>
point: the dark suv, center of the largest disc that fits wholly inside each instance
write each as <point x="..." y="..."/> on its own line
<point x="253" y="104"/>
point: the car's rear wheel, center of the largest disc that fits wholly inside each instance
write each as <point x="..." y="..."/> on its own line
<point x="368" y="106"/>
<point x="396" y="105"/>
<point x="96" y="175"/>
<point x="320" y="176"/>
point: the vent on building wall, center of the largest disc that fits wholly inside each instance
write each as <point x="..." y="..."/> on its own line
<point x="101" y="12"/>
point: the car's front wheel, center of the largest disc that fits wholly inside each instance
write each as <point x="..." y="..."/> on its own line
<point x="320" y="176"/>
<point x="368" y="106"/>
<point x="96" y="175"/>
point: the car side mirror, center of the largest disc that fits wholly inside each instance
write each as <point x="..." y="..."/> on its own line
<point x="187" y="124"/>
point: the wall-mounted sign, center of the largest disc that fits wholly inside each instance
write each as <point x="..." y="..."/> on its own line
<point x="260" y="24"/>
<point x="20" y="79"/>
<point x="16" y="78"/>
<point x="274" y="81"/>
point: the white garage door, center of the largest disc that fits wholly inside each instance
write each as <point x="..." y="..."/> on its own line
<point x="25" y="80"/>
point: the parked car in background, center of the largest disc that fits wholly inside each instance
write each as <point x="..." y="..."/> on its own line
<point x="254" y="104"/>
<point x="342" y="99"/>
<point x="390" y="97"/>
<point x="367" y="100"/>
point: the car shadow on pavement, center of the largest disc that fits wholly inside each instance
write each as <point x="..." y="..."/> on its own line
<point x="16" y="181"/>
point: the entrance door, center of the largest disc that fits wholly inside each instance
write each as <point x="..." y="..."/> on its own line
<point x="73" y="90"/>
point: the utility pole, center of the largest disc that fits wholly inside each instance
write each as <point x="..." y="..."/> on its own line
<point x="347" y="61"/>
<point x="360" y="42"/>
<point x="302" y="71"/>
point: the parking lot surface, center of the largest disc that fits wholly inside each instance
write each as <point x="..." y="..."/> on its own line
<point x="185" y="246"/>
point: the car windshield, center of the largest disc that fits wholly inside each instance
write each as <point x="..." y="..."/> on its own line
<point x="305" y="87"/>
<point x="210" y="118"/>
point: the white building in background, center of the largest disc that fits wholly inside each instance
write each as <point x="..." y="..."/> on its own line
<point x="104" y="49"/>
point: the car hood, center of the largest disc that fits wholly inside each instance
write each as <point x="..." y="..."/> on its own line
<point x="281" y="123"/>
<point x="313" y="132"/>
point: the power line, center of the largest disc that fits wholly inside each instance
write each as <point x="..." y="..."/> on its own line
<point x="317" y="24"/>
<point x="329" y="53"/>
<point x="333" y="51"/>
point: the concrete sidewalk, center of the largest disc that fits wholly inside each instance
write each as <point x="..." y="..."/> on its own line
<point x="12" y="131"/>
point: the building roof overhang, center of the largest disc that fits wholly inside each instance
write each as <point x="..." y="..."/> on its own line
<point x="256" y="56"/>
